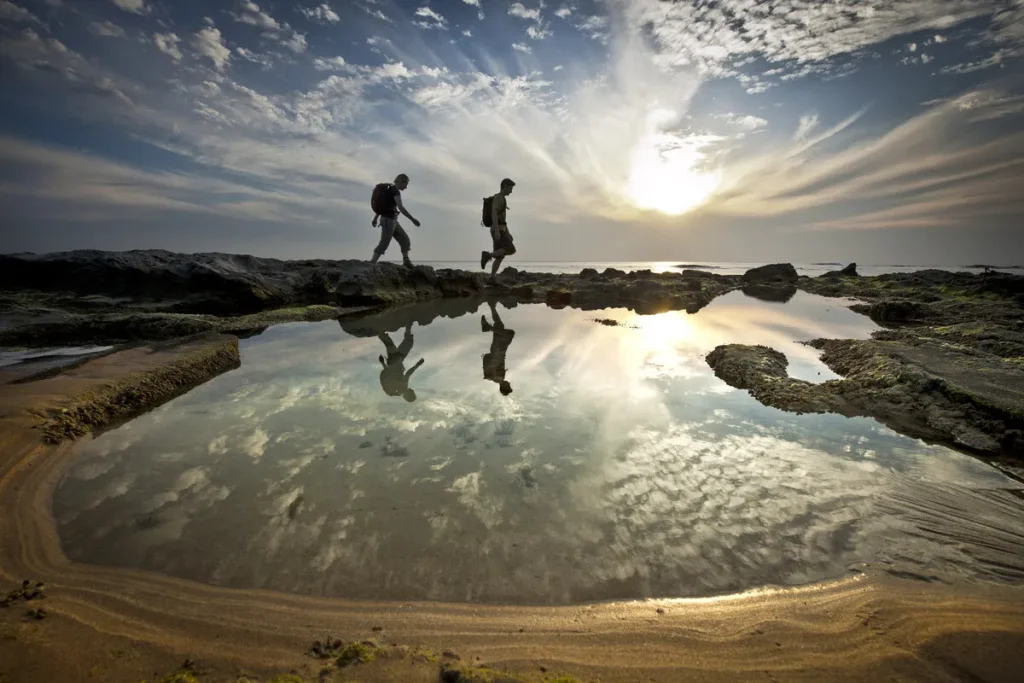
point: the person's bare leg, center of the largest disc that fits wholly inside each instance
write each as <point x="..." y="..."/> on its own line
<point x="498" y="255"/>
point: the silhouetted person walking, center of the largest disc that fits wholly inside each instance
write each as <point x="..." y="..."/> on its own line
<point x="494" y="361"/>
<point x="394" y="378"/>
<point x="495" y="208"/>
<point x="386" y="203"/>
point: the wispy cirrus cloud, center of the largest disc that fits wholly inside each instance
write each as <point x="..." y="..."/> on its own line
<point x="604" y="140"/>
<point x="252" y="14"/>
<point x="429" y="19"/>
<point x="716" y="38"/>
<point x="107" y="29"/>
<point x="17" y="14"/>
<point x="133" y="6"/>
<point x="918" y="175"/>
<point x="321" y="13"/>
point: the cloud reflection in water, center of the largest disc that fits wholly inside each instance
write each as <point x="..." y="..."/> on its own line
<point x="619" y="467"/>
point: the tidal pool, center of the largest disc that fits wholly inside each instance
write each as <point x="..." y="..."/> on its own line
<point x="533" y="456"/>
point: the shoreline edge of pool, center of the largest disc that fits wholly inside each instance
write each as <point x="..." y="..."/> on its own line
<point x="114" y="624"/>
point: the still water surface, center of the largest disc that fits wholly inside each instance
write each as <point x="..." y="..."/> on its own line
<point x="533" y="456"/>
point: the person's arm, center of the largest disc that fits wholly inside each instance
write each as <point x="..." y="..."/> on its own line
<point x="375" y="217"/>
<point x="408" y="373"/>
<point x="381" y="359"/>
<point x="401" y="208"/>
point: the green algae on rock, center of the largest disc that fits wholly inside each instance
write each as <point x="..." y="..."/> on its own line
<point x="193" y="361"/>
<point x="922" y="391"/>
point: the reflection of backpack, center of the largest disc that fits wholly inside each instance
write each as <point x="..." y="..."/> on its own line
<point x="379" y="200"/>
<point x="488" y="215"/>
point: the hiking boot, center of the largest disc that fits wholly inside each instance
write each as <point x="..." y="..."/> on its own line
<point x="407" y="263"/>
<point x="485" y="257"/>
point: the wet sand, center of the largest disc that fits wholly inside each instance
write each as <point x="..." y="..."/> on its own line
<point x="109" y="624"/>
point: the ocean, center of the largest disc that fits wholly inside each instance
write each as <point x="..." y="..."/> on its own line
<point x="718" y="267"/>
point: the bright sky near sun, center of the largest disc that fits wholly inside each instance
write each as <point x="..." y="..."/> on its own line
<point x="881" y="131"/>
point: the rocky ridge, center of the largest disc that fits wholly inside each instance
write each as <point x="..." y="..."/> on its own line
<point x="948" y="364"/>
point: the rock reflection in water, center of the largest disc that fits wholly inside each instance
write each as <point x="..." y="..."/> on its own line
<point x="620" y="466"/>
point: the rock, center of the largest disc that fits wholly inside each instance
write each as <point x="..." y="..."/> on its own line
<point x="510" y="272"/>
<point x="588" y="273"/>
<point x="776" y="272"/>
<point x="613" y="273"/>
<point x="897" y="311"/>
<point x="919" y="387"/>
<point x="226" y="284"/>
<point x="775" y="293"/>
<point x="452" y="674"/>
<point x="848" y="271"/>
<point x="556" y="298"/>
<point x="524" y="292"/>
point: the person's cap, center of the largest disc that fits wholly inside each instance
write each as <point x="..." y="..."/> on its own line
<point x="508" y="182"/>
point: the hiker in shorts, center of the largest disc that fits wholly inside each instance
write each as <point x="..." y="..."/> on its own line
<point x="494" y="361"/>
<point x="394" y="378"/>
<point x="386" y="203"/>
<point x="501" y="238"/>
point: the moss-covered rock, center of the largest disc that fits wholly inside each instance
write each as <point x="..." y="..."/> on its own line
<point x="195" y="361"/>
<point x="969" y="401"/>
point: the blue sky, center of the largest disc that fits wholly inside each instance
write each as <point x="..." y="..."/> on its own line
<point x="871" y="130"/>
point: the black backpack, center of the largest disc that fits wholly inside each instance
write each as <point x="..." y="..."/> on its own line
<point x="488" y="214"/>
<point x="379" y="200"/>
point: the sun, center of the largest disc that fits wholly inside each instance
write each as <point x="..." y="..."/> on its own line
<point x="665" y="174"/>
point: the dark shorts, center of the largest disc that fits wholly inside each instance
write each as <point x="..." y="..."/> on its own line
<point x="502" y="239"/>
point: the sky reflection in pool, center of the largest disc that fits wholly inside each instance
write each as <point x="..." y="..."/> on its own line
<point x="617" y="467"/>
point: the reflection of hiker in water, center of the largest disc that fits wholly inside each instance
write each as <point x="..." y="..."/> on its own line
<point x="394" y="378"/>
<point x="494" y="362"/>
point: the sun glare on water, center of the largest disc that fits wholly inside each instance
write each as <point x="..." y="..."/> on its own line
<point x="665" y="175"/>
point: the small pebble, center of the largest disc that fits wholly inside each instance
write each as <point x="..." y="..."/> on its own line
<point x="661" y="611"/>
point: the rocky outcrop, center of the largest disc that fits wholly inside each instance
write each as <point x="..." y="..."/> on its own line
<point x="146" y="295"/>
<point x="169" y="370"/>
<point x="226" y="284"/>
<point x="775" y="272"/>
<point x="893" y="310"/>
<point x="922" y="390"/>
<point x="848" y="271"/>
<point x="74" y="329"/>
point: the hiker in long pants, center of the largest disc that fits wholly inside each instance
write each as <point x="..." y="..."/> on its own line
<point x="386" y="203"/>
<point x="494" y="218"/>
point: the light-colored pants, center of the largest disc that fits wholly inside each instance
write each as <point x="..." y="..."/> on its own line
<point x="389" y="228"/>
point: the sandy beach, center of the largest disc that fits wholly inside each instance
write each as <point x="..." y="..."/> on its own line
<point x="114" y="624"/>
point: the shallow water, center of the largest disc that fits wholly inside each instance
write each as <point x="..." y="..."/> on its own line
<point x="617" y="467"/>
